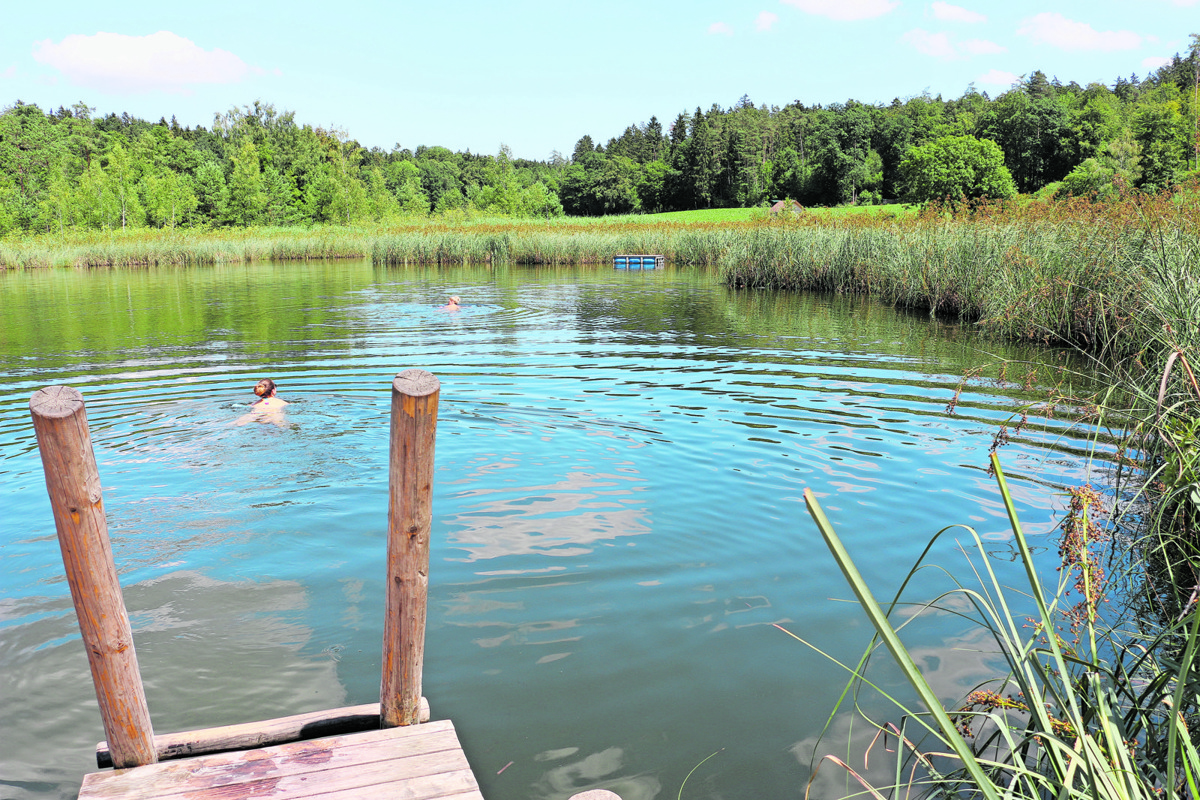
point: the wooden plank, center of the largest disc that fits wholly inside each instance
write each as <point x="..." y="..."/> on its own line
<point x="340" y="783"/>
<point x="415" y="395"/>
<point x="313" y="725"/>
<point x="412" y="739"/>
<point x="427" y="775"/>
<point x="73" y="482"/>
<point x="459" y="786"/>
<point x="423" y="761"/>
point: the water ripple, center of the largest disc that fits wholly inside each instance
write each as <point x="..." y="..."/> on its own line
<point x="618" y="522"/>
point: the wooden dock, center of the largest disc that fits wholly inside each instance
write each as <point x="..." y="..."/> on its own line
<point x="412" y="762"/>
<point x="385" y="749"/>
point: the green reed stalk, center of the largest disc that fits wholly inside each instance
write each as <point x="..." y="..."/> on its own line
<point x="1106" y="722"/>
<point x="891" y="640"/>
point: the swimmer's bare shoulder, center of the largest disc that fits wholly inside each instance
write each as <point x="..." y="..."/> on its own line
<point x="268" y="408"/>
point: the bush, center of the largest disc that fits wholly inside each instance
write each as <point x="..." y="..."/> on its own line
<point x="956" y="167"/>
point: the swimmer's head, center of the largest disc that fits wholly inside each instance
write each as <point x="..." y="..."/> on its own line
<point x="454" y="299"/>
<point x="265" y="387"/>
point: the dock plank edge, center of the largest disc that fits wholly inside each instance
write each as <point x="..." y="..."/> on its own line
<point x="249" y="735"/>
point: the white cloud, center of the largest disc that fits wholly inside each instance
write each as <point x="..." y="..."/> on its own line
<point x="720" y="27"/>
<point x="997" y="77"/>
<point x="931" y="44"/>
<point x="11" y="72"/>
<point x="844" y="9"/>
<point x="940" y="45"/>
<point x="1056" y="30"/>
<point x="981" y="47"/>
<point x="163" y="61"/>
<point x="949" y="13"/>
<point x="765" y="20"/>
<point x="1154" y="62"/>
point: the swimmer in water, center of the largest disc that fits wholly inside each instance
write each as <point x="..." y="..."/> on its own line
<point x="268" y="408"/>
<point x="453" y="304"/>
<point x="265" y="389"/>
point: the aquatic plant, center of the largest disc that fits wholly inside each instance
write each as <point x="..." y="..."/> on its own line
<point x="1109" y="713"/>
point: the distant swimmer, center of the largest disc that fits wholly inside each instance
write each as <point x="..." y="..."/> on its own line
<point x="268" y="408"/>
<point x="453" y="304"/>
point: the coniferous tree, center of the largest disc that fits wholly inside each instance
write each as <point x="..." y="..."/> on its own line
<point x="584" y="145"/>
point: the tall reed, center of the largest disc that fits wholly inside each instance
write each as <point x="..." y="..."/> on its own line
<point x="182" y="247"/>
<point x="1078" y="273"/>
<point x="431" y="241"/>
<point x="1110" y="714"/>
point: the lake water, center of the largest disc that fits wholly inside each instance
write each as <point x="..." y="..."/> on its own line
<point x="618" y="521"/>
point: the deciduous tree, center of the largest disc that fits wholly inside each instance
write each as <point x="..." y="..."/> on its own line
<point x="246" y="197"/>
<point x="955" y="167"/>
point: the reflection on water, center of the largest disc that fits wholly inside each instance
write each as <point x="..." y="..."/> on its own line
<point x="204" y="647"/>
<point x="617" y="515"/>
<point x="562" y="519"/>
<point x="601" y="770"/>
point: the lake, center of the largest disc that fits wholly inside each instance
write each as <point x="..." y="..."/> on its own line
<point x="618" y="523"/>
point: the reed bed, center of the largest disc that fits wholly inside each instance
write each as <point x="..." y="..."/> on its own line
<point x="687" y="245"/>
<point x="433" y="241"/>
<point x="162" y="247"/>
<point x="1092" y="703"/>
<point x="1079" y="273"/>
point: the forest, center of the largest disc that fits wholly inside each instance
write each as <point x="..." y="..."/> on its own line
<point x="69" y="169"/>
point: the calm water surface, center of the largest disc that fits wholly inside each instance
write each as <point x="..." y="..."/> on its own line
<point x="617" y="512"/>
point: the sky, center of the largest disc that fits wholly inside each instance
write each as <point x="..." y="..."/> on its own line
<point x="536" y="75"/>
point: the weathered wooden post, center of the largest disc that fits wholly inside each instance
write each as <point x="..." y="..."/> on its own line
<point x="410" y="480"/>
<point x="73" y="481"/>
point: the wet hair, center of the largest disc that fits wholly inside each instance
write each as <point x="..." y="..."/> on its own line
<point x="264" y="387"/>
<point x="454" y="299"/>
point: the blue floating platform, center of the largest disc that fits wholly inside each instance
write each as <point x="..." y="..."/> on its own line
<point x="628" y="261"/>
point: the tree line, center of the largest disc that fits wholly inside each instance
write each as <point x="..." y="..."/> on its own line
<point x="1140" y="133"/>
<point x="256" y="166"/>
<point x="68" y="169"/>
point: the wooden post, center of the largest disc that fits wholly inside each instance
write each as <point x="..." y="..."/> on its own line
<point x="73" y="482"/>
<point x="410" y="481"/>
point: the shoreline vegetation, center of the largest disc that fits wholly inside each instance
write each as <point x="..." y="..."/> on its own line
<point x="1086" y="703"/>
<point x="1079" y="272"/>
<point x="687" y="238"/>
<point x="1097" y="276"/>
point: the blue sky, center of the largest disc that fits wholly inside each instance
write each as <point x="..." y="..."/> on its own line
<point x="537" y="75"/>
